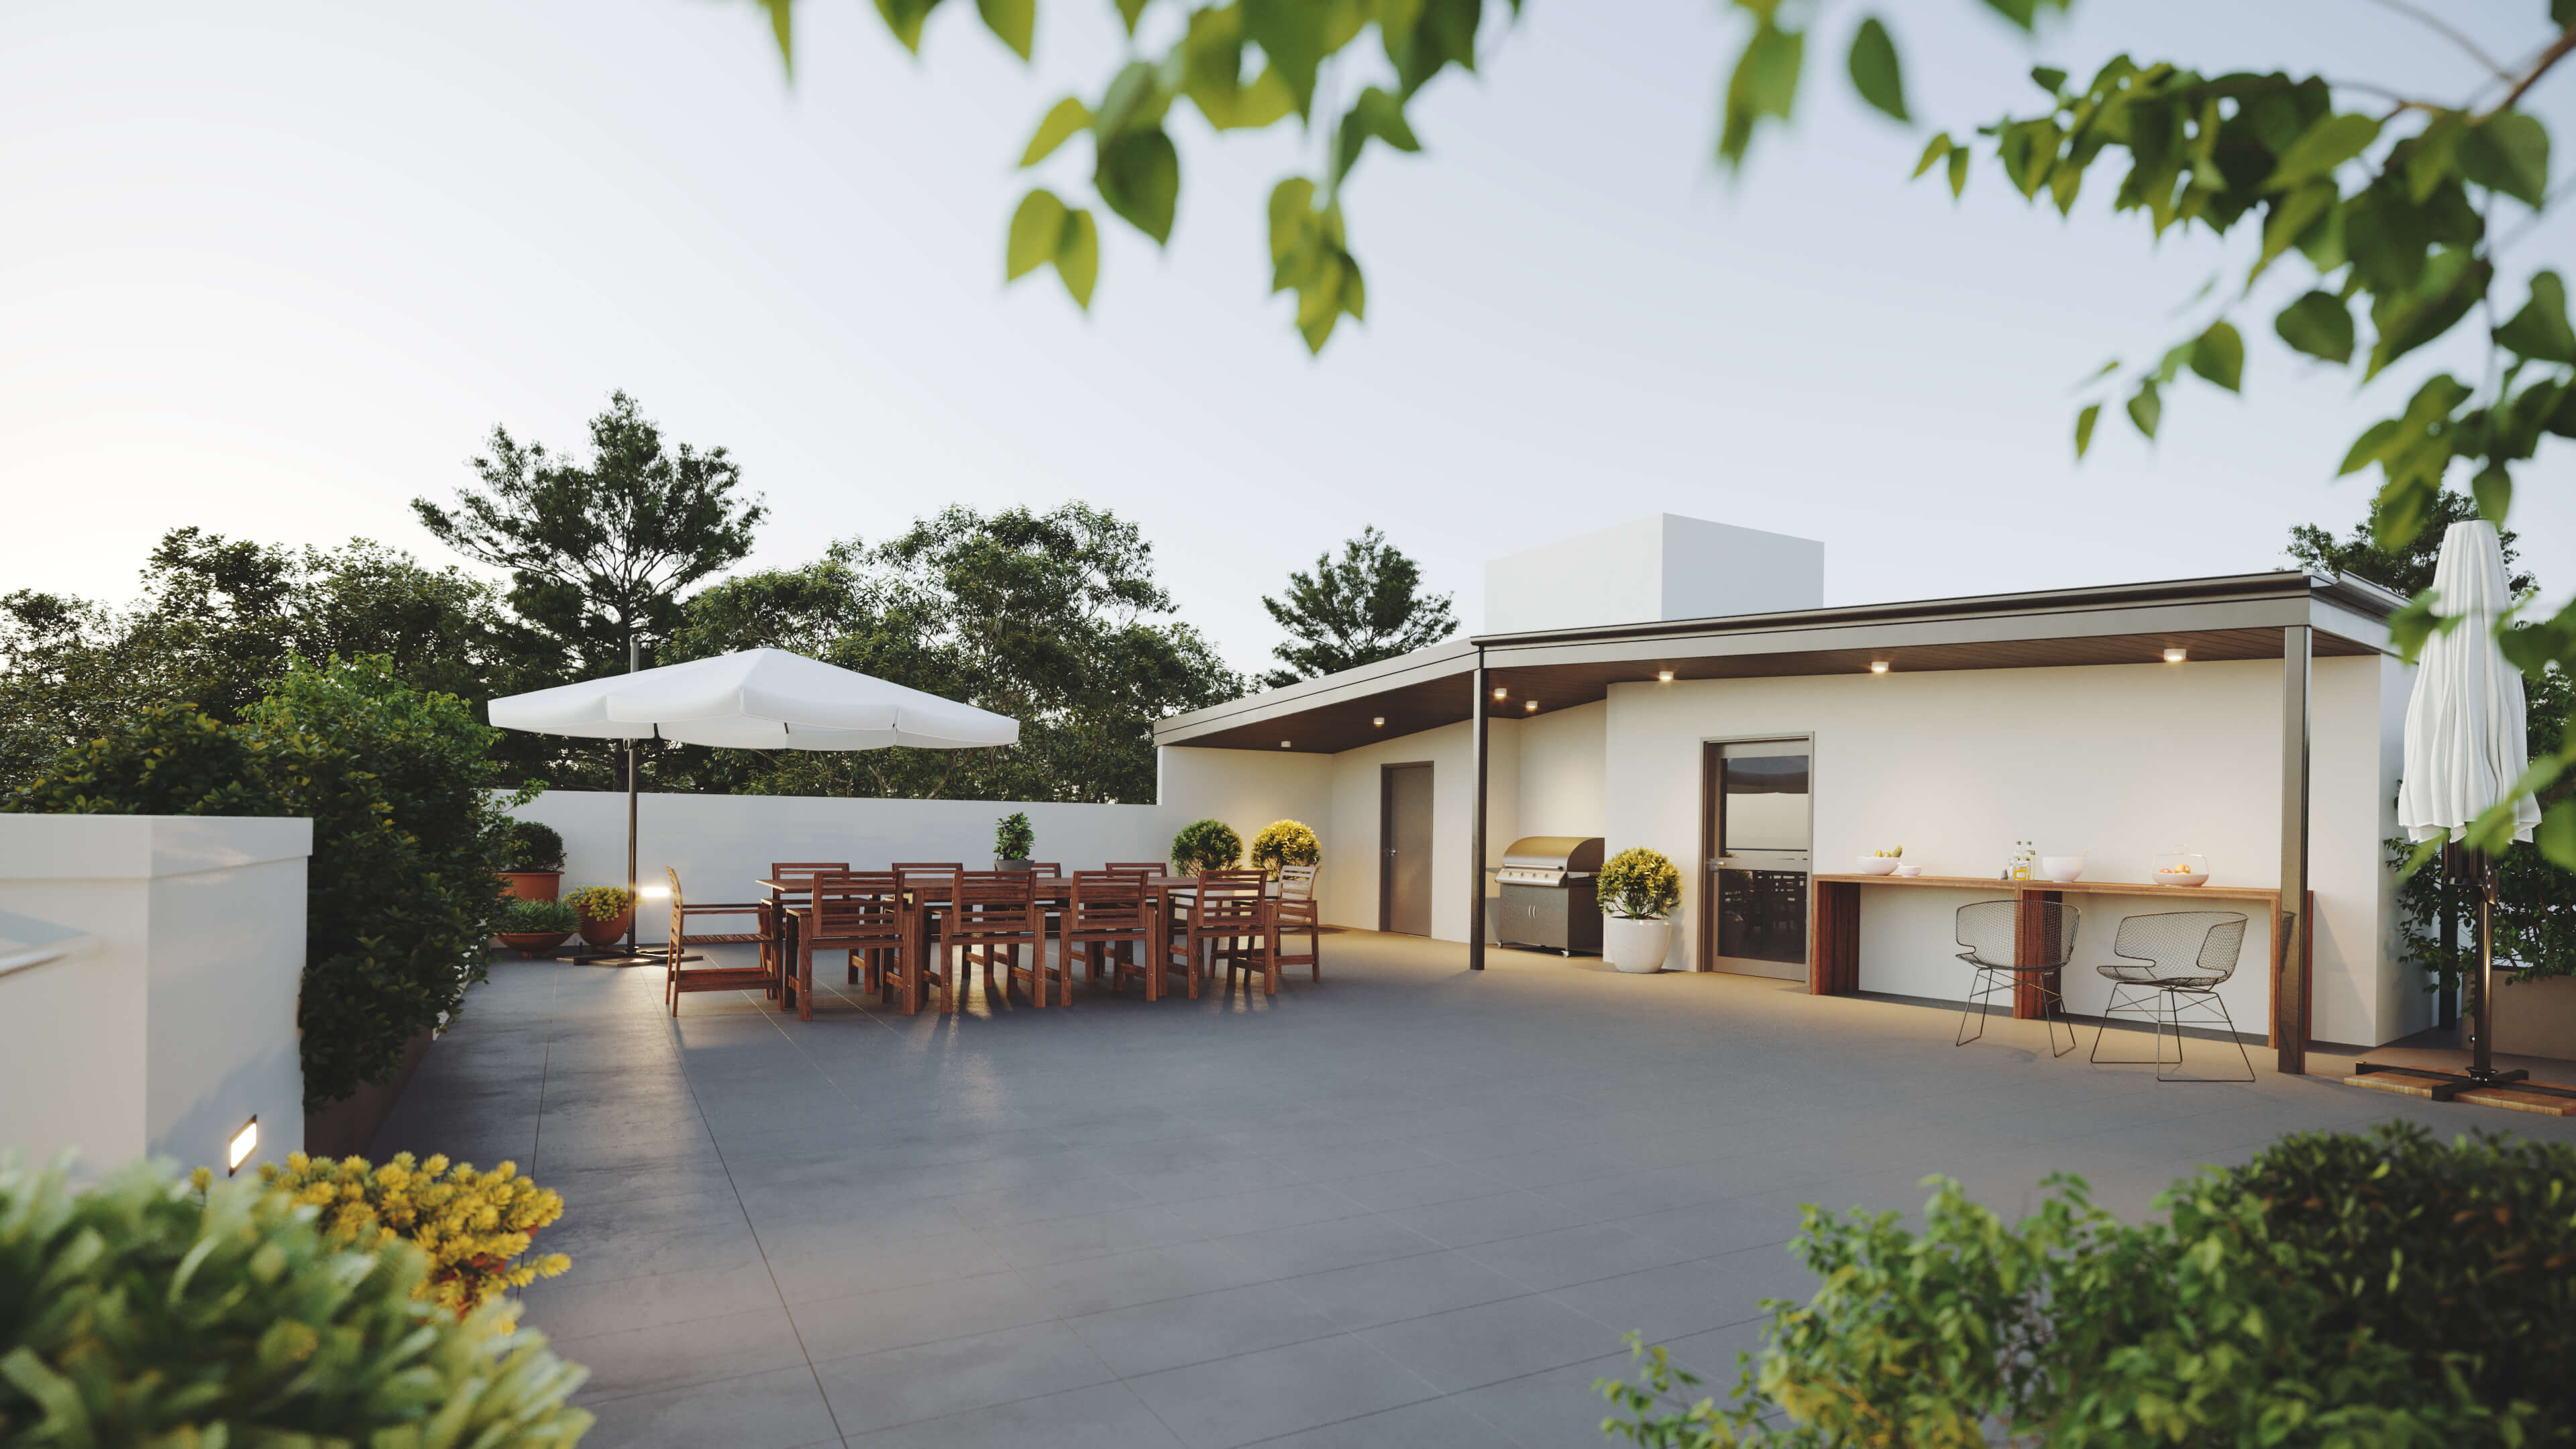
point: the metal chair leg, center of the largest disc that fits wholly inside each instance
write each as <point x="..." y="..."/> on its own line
<point x="1978" y="993"/>
<point x="2226" y="1019"/>
<point x="2052" y="1011"/>
<point x="2155" y="1029"/>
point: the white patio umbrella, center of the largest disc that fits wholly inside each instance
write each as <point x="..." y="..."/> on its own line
<point x="756" y="699"/>
<point x="2464" y="742"/>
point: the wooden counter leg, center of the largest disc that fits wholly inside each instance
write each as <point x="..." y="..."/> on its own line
<point x="2031" y="989"/>
<point x="1833" y="939"/>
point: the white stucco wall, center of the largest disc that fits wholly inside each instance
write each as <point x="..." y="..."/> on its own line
<point x="1563" y="753"/>
<point x="175" y="1024"/>
<point x="1662" y="566"/>
<point x="1355" y="838"/>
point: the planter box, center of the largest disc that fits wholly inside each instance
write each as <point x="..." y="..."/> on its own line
<point x="532" y="885"/>
<point x="2535" y="1018"/>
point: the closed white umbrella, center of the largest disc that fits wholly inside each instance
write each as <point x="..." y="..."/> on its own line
<point x="2465" y="745"/>
<point x="756" y="699"/>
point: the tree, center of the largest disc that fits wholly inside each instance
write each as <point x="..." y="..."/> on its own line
<point x="598" y="551"/>
<point x="1053" y="619"/>
<point x="1365" y="606"/>
<point x="2404" y="204"/>
<point x="2406" y="569"/>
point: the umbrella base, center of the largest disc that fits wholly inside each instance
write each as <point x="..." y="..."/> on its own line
<point x="2444" y="1086"/>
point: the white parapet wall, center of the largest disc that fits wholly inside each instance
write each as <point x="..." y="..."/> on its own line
<point x="721" y="844"/>
<point x="147" y="1005"/>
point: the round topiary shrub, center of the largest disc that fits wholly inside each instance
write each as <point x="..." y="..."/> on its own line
<point x="142" y="1312"/>
<point x="1206" y="845"/>
<point x="1285" y="842"/>
<point x="530" y="846"/>
<point x="1639" y="885"/>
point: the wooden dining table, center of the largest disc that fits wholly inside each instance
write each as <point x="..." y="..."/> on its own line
<point x="927" y="896"/>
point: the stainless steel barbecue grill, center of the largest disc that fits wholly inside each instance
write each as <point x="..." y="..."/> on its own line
<point x="1547" y="895"/>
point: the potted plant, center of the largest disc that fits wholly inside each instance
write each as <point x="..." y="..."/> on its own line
<point x="1639" y="890"/>
<point x="1205" y="845"/>
<point x="532" y="860"/>
<point x="1285" y="842"/>
<point x="606" y="912"/>
<point x="535" y="928"/>
<point x="1013" y="839"/>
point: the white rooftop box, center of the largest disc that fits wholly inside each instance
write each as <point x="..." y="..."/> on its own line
<point x="1663" y="566"/>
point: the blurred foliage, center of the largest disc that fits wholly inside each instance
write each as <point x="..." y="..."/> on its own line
<point x="1360" y="608"/>
<point x="1204" y="845"/>
<point x="140" y="1312"/>
<point x="400" y="891"/>
<point x="1053" y="619"/>
<point x="536" y="917"/>
<point x="2340" y="1289"/>
<point x="473" y="1227"/>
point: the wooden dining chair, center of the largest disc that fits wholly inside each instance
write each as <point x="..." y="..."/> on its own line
<point x="679" y="975"/>
<point x="1046" y="867"/>
<point x="1296" y="911"/>
<point x="1142" y="867"/>
<point x="928" y="867"/>
<point x="1232" y="920"/>
<point x="855" y="911"/>
<point x="995" y="913"/>
<point x="1110" y="914"/>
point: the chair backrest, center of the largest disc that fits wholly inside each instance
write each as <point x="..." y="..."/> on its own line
<point x="929" y="867"/>
<point x="1046" y="867"/>
<point x="988" y="901"/>
<point x="1228" y="897"/>
<point x="1991" y="931"/>
<point x="1139" y="867"/>
<point x="1105" y="901"/>
<point x="781" y="869"/>
<point x="2184" y="945"/>
<point x="674" y="938"/>
<point x="1296" y="882"/>
<point x="856" y="903"/>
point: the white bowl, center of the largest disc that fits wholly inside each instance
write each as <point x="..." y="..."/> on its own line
<point x="1877" y="864"/>
<point x="2061" y="867"/>
<point x="1909" y="870"/>
<point x="2169" y="878"/>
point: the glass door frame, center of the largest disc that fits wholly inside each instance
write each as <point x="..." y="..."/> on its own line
<point x="1712" y="749"/>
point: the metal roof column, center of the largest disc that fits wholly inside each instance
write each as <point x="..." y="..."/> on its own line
<point x="1477" y="743"/>
<point x="2290" y="1028"/>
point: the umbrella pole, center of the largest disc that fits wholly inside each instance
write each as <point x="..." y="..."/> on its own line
<point x="2482" y="1048"/>
<point x="634" y="758"/>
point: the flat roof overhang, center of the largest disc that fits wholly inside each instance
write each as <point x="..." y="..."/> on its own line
<point x="2233" y="618"/>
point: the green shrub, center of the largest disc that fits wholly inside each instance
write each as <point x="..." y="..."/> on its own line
<point x="2375" y="1289"/>
<point x="1013" y="837"/>
<point x="600" y="903"/>
<point x="1206" y="845"/>
<point x="532" y="846"/>
<point x="400" y="895"/>
<point x="1639" y="884"/>
<point x="135" y="1313"/>
<point x="1285" y="842"/>
<point x="523" y="916"/>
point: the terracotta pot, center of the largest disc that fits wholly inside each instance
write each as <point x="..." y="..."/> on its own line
<point x="532" y="944"/>
<point x="607" y="933"/>
<point x="531" y="885"/>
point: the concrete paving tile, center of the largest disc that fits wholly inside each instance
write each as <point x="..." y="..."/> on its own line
<point x="698" y="1350"/>
<point x="1574" y="1255"/>
<point x="1430" y="1424"/>
<point x="1321" y="1247"/>
<point x="1467" y="1348"/>
<point x="926" y="1381"/>
<point x="1104" y="1416"/>
<point x="1468" y="1221"/>
<point x="1172" y="1332"/>
<point x="1277" y="1207"/>
<point x="1121" y="1280"/>
<point x="1664" y="1303"/>
<point x="1276" y="1391"/>
<point x="1399" y="1288"/>
<point x="876" y="1264"/>
<point x="778" y="1410"/>
<point x="1554" y="1409"/>
<point x="858" y="1323"/>
<point x="1032" y="1245"/>
<point x="567" y="1310"/>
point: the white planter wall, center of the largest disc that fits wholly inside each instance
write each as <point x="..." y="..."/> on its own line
<point x="170" y="1022"/>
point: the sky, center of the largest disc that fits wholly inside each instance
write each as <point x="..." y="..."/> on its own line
<point x="276" y="269"/>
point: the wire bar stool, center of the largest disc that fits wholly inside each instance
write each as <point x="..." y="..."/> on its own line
<point x="2182" y="958"/>
<point x="1991" y="931"/>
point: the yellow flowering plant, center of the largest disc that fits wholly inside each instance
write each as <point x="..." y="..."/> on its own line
<point x="473" y="1225"/>
<point x="1285" y="842"/>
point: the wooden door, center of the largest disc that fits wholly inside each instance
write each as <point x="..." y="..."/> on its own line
<point x="1404" y="845"/>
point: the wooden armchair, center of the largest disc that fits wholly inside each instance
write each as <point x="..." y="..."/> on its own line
<point x="1113" y="913"/>
<point x="995" y="913"/>
<point x="681" y="974"/>
<point x="860" y="912"/>
<point x="1296" y="912"/>
<point x="1233" y="920"/>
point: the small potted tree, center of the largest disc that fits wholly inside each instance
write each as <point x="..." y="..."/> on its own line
<point x="606" y="912"/>
<point x="532" y="861"/>
<point x="535" y="928"/>
<point x="1639" y="890"/>
<point x="1013" y="839"/>
<point x="1205" y="845"/>
<point x="1285" y="842"/>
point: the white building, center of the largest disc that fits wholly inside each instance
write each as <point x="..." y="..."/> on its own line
<point x="2252" y="720"/>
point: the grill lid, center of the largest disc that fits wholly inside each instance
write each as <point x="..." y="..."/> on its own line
<point x="1547" y="860"/>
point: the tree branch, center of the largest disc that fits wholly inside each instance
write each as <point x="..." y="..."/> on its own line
<point x="2445" y="30"/>
<point x="2556" y="52"/>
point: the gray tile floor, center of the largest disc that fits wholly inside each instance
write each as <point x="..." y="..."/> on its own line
<point x="1408" y="1206"/>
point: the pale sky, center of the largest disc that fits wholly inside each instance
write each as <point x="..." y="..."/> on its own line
<point x="275" y="269"/>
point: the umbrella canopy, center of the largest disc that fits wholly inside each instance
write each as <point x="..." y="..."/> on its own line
<point x="758" y="699"/>
<point x="2464" y="736"/>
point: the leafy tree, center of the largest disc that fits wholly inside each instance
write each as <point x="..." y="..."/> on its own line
<point x="2401" y="205"/>
<point x="1053" y="619"/>
<point x="2405" y="569"/>
<point x="1360" y="608"/>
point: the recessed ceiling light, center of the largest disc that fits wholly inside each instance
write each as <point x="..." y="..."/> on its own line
<point x="1377" y="721"/>
<point x="1501" y="693"/>
<point x="1878" y="666"/>
<point x="1532" y="706"/>
<point x="1283" y="744"/>
<point x="2176" y="656"/>
<point x="1664" y="675"/>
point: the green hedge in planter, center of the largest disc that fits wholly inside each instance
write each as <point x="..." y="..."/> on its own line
<point x="134" y="1313"/>
<point x="1014" y="837"/>
<point x="2340" y="1289"/>
<point x="400" y="891"/>
<point x="1206" y="845"/>
<point x="519" y="917"/>
<point x="530" y="846"/>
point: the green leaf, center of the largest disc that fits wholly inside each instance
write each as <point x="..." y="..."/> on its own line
<point x="1062" y="122"/>
<point x="904" y="18"/>
<point x="1764" y="83"/>
<point x="1874" y="70"/>
<point x="1933" y="150"/>
<point x="1441" y="33"/>
<point x="2289" y="218"/>
<point x="1015" y="21"/>
<point x="2084" y="422"/>
<point x="1128" y="10"/>
<point x="2318" y="324"/>
<point x="1140" y="177"/>
<point x="2540" y="330"/>
<point x="2452" y="283"/>
<point x="1958" y="172"/>
<point x="2048" y="78"/>
<point x="2326" y="145"/>
<point x="782" y="28"/>
<point x="1037" y="231"/>
<point x="2508" y="153"/>
<point x="1295" y="35"/>
<point x="2388" y="237"/>
<point x="2368" y="448"/>
<point x="1376" y="114"/>
<point x="2493" y="489"/>
<point x="2146" y="409"/>
<point x="1077" y="257"/>
<point x="2556" y="833"/>
<point x="2219" y="356"/>
<point x="2024" y="13"/>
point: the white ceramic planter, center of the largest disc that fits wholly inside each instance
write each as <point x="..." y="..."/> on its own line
<point x="1635" y="945"/>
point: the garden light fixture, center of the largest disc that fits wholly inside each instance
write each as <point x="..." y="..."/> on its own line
<point x="244" y="1143"/>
